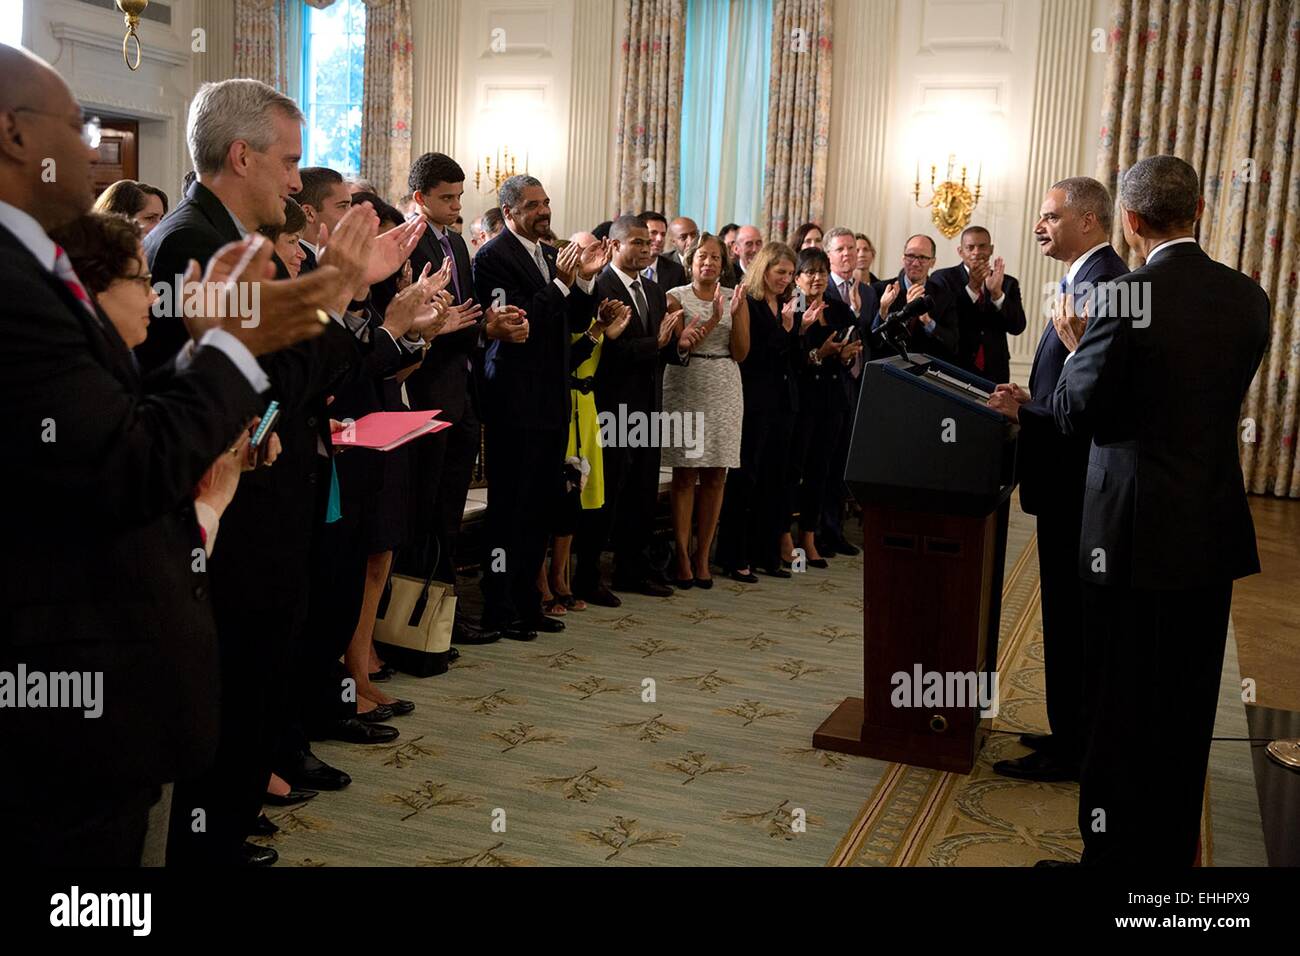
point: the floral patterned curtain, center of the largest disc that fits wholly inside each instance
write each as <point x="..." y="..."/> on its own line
<point x="260" y="43"/>
<point x="1215" y="83"/>
<point x="649" y="120"/>
<point x="799" y="116"/>
<point x="386" y="102"/>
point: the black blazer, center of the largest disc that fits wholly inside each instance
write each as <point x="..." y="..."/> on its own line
<point x="822" y="388"/>
<point x="100" y="566"/>
<point x="869" y="310"/>
<point x="527" y="383"/>
<point x="669" y="273"/>
<point x="768" y="375"/>
<point x="1049" y="465"/>
<point x="942" y="344"/>
<point x="630" y="371"/>
<point x="984" y="323"/>
<point x="1161" y="395"/>
<point x="444" y="380"/>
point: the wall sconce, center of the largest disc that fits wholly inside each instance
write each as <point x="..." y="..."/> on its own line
<point x="132" y="10"/>
<point x="951" y="202"/>
<point x="506" y="166"/>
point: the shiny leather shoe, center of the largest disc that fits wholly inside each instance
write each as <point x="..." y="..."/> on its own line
<point x="684" y="584"/>
<point x="541" y="624"/>
<point x="601" y="597"/>
<point x="353" y="731"/>
<point x="290" y="798"/>
<point x="384" y="673"/>
<point x="744" y="577"/>
<point x="468" y="634"/>
<point x="264" y="826"/>
<point x="777" y="572"/>
<point x="1037" y="741"/>
<point x="1039" y="765"/>
<point x="704" y="583"/>
<point x="515" y="632"/>
<point x="250" y="854"/>
<point x="312" y="773"/>
<point x="401" y="708"/>
<point x="381" y="713"/>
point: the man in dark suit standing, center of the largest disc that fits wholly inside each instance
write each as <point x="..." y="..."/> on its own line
<point x="841" y="249"/>
<point x="1074" y="222"/>
<point x="1158" y="378"/>
<point x="629" y="382"/>
<point x="663" y="270"/>
<point x="934" y="333"/>
<point x="445" y="461"/>
<point x="325" y="199"/>
<point x="526" y="398"/>
<point x="99" y="569"/>
<point x="988" y="306"/>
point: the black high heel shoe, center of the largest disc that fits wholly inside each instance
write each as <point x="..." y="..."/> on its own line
<point x="704" y="583"/>
<point x="744" y="577"/>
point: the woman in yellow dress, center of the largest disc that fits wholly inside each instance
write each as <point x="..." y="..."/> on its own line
<point x="583" y="463"/>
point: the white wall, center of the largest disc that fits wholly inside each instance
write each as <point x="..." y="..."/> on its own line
<point x="84" y="44"/>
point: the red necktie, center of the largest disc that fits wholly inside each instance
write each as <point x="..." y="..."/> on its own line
<point x="63" y="269"/>
<point x="979" y="353"/>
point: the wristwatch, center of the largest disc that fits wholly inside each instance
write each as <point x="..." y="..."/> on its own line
<point x="595" y="339"/>
<point x="813" y="357"/>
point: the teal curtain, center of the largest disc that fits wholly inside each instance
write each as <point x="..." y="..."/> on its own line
<point x="724" y="111"/>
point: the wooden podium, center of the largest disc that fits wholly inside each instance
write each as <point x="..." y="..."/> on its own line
<point x="933" y="467"/>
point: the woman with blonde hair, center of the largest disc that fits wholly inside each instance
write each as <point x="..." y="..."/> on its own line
<point x="754" y="506"/>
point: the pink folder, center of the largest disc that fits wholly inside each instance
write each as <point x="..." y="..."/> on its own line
<point x="384" y="431"/>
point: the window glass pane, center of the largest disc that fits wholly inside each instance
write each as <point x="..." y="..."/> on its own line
<point x="333" y="59"/>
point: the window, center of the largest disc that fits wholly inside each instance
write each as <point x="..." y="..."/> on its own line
<point x="11" y="22"/>
<point x="333" y="57"/>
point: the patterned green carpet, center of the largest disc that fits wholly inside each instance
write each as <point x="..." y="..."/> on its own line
<point x="667" y="732"/>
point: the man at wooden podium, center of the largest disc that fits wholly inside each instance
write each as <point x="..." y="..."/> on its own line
<point x="1159" y="378"/>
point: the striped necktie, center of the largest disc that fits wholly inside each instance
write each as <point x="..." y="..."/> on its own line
<point x="63" y="269"/>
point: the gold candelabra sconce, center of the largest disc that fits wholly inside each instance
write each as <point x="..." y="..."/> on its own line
<point x="131" y="10"/>
<point x="951" y="201"/>
<point x="488" y="177"/>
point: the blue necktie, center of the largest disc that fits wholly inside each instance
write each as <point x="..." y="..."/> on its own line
<point x="1065" y="284"/>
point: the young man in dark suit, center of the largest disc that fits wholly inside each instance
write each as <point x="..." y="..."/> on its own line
<point x="325" y="199"/>
<point x="988" y="306"/>
<point x="526" y="398"/>
<point x="629" y="381"/>
<point x="1073" y="225"/>
<point x="1159" y="378"/>
<point x="661" y="269"/>
<point x="99" y="570"/>
<point x="933" y="333"/>
<point x="445" y="380"/>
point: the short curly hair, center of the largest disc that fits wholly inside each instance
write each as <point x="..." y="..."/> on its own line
<point x="103" y="247"/>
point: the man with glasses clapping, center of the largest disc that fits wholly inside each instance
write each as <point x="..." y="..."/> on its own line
<point x="934" y="332"/>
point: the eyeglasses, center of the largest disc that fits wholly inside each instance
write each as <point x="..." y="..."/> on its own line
<point x="145" y="280"/>
<point x="911" y="258"/>
<point x="91" y="132"/>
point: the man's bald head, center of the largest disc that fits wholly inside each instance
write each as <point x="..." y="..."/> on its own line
<point x="683" y="232"/>
<point x="44" y="163"/>
<point x="583" y="239"/>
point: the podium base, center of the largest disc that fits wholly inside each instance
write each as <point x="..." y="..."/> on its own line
<point x="845" y="731"/>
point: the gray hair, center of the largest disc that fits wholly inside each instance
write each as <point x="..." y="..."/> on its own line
<point x="231" y="110"/>
<point x="1085" y="195"/>
<point x="512" y="190"/>
<point x="835" y="234"/>
<point x="1163" y="190"/>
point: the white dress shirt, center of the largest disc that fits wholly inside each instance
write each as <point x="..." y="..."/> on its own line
<point x="1079" y="262"/>
<point x="1167" y="243"/>
<point x="975" y="296"/>
<point x="530" y="247"/>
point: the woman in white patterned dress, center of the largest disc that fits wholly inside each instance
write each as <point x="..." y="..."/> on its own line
<point x="708" y="385"/>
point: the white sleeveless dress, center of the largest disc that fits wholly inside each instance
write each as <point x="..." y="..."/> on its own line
<point x="709" y="385"/>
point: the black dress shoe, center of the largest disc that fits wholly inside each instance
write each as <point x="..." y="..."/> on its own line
<point x="315" y="774"/>
<point x="401" y="708"/>
<point x="384" y="673"/>
<point x="516" y="632"/>
<point x="452" y="654"/>
<point x="381" y="713"/>
<point x="1039" y="765"/>
<point x="353" y="731"/>
<point x="264" y="827"/>
<point x="820" y="564"/>
<point x="683" y="584"/>
<point x="601" y="597"/>
<point x="465" y="634"/>
<point x="704" y="583"/>
<point x="541" y="624"/>
<point x="776" y="572"/>
<point x="744" y="577"/>
<point x="1037" y="741"/>
<point x="251" y="854"/>
<point x="290" y="798"/>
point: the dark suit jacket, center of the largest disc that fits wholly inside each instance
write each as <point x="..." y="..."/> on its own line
<point x="670" y="273"/>
<point x="868" y="312"/>
<point x="1161" y="394"/>
<point x="984" y="323"/>
<point x="444" y="380"/>
<point x="942" y="344"/>
<point x="1049" y="465"/>
<point x="768" y="375"/>
<point x="98" y="560"/>
<point x="822" y="388"/>
<point x="527" y="383"/>
<point x="266" y="531"/>
<point x="631" y="367"/>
